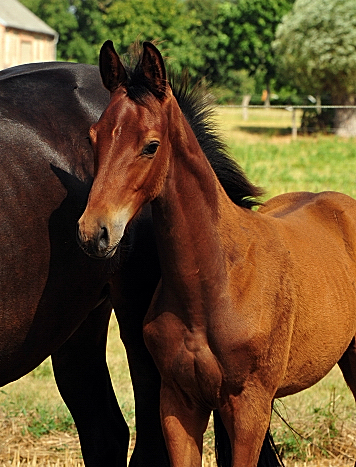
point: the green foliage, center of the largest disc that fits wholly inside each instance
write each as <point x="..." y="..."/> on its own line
<point x="168" y="21"/>
<point x="243" y="82"/>
<point x="314" y="121"/>
<point x="235" y="35"/>
<point x="251" y="26"/>
<point x="316" y="47"/>
<point x="209" y="38"/>
<point x="212" y="38"/>
<point x="83" y="26"/>
<point x="79" y="23"/>
<point x="85" y="41"/>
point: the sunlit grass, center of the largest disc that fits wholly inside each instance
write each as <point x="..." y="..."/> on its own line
<point x="308" y="164"/>
<point x="280" y="164"/>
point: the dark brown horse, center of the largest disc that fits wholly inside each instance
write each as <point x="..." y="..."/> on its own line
<point x="54" y="299"/>
<point x="251" y="305"/>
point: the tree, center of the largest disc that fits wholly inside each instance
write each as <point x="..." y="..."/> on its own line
<point x="316" y="48"/>
<point x="85" y="42"/>
<point x="79" y="24"/>
<point x="237" y="35"/>
<point x="168" y="21"/>
<point x="210" y="40"/>
<point x="251" y="26"/>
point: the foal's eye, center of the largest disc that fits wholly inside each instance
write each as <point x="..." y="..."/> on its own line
<point x="150" y="149"/>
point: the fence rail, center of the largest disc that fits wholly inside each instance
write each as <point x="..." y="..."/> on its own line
<point x="290" y="108"/>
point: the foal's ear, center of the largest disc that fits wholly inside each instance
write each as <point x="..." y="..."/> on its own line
<point x="154" y="70"/>
<point x="112" y="70"/>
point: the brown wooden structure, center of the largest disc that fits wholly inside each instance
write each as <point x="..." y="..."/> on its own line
<point x="24" y="37"/>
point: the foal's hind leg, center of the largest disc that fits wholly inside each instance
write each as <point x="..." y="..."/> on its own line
<point x="347" y="364"/>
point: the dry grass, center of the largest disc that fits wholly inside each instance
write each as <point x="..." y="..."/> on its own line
<point x="274" y="125"/>
<point x="312" y="413"/>
<point x="54" y="449"/>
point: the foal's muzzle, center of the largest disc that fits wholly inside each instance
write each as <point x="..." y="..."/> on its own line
<point x="97" y="244"/>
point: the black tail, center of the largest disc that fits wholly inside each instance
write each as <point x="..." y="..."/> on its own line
<point x="269" y="456"/>
<point x="223" y="452"/>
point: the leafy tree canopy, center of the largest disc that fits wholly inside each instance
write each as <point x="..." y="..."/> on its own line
<point x="251" y="26"/>
<point x="79" y="24"/>
<point x="168" y="21"/>
<point x="237" y="35"/>
<point x="316" y="47"/>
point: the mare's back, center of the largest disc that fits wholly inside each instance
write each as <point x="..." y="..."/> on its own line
<point x="45" y="175"/>
<point x="46" y="107"/>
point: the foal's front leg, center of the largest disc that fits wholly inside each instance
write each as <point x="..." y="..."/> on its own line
<point x="184" y="424"/>
<point x="247" y="418"/>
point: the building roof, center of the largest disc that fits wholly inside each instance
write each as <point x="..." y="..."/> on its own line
<point x="15" y="15"/>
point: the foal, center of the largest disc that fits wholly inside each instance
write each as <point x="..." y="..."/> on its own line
<point x="251" y="305"/>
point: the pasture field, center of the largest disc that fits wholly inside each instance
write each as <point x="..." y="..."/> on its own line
<point x="314" y="428"/>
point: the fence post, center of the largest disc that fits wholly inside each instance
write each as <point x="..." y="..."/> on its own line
<point x="245" y="102"/>
<point x="294" y="123"/>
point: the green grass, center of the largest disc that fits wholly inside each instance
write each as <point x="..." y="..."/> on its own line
<point x="279" y="164"/>
<point x="307" y="165"/>
<point x="322" y="420"/>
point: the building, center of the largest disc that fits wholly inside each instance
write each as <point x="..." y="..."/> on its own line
<point x="24" y="37"/>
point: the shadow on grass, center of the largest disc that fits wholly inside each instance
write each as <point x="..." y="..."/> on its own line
<point x="264" y="131"/>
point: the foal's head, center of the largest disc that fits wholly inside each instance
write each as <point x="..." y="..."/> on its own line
<point x="131" y="147"/>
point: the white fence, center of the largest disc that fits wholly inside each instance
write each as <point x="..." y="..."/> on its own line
<point x="293" y="109"/>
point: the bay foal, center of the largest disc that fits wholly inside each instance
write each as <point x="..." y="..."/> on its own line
<point x="251" y="305"/>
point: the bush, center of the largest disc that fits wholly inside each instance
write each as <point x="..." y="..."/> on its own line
<point x="317" y="122"/>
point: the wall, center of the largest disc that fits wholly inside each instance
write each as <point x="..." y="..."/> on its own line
<point x="19" y="46"/>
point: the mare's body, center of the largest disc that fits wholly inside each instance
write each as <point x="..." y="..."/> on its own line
<point x="54" y="299"/>
<point x="251" y="305"/>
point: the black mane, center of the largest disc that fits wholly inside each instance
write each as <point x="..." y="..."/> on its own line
<point x="195" y="103"/>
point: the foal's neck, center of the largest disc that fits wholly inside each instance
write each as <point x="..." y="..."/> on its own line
<point x="188" y="218"/>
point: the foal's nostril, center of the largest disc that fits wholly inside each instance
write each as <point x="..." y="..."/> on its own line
<point x="103" y="238"/>
<point x="95" y="241"/>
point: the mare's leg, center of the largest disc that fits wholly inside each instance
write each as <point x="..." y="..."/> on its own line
<point x="84" y="382"/>
<point x="347" y="364"/>
<point x="150" y="448"/>
<point x="247" y="418"/>
<point x="132" y="291"/>
<point x="184" y="424"/>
